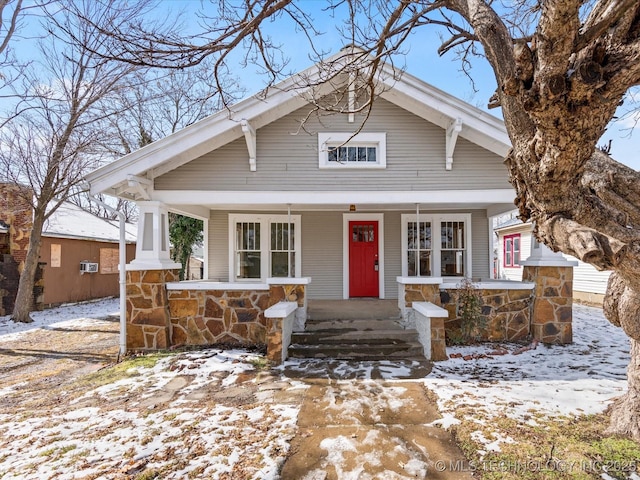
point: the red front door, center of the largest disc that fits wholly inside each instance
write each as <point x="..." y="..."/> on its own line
<point x="363" y="259"/>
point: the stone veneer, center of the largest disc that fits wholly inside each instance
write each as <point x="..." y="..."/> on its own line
<point x="507" y="312"/>
<point x="552" y="315"/>
<point x="204" y="317"/>
<point x="148" y="325"/>
<point x="158" y="318"/>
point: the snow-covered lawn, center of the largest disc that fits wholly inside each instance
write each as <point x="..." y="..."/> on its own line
<point x="580" y="378"/>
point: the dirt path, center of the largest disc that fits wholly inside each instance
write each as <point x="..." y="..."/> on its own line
<point x="370" y="429"/>
<point x="35" y="363"/>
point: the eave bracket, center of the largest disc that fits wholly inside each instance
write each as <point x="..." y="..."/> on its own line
<point x="250" y="137"/>
<point x="454" y="129"/>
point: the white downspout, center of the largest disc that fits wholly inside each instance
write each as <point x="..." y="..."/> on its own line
<point x="122" y="275"/>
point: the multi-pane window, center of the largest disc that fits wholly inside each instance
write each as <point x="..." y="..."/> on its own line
<point x="419" y="249"/>
<point x="352" y="154"/>
<point x="283" y="254"/>
<point x="248" y="254"/>
<point x="512" y="250"/>
<point x="348" y="150"/>
<point x="436" y="245"/>
<point x="452" y="249"/>
<point x="263" y="246"/>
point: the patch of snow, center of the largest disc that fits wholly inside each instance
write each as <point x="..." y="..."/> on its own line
<point x="581" y="378"/>
<point x="74" y="315"/>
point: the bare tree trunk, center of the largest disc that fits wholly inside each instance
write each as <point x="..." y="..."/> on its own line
<point x="625" y="412"/>
<point x="24" y="299"/>
<point x="622" y="308"/>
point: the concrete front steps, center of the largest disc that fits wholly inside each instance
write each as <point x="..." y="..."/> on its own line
<point x="356" y="339"/>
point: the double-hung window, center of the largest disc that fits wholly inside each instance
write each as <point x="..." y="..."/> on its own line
<point x="436" y="245"/>
<point x="263" y="246"/>
<point x="512" y="250"/>
<point x="346" y="150"/>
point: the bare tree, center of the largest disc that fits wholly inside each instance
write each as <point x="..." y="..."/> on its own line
<point x="51" y="144"/>
<point x="562" y="68"/>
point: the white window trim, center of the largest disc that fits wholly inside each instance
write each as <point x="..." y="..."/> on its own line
<point x="265" y="241"/>
<point x="355" y="217"/>
<point x="435" y="220"/>
<point x="339" y="139"/>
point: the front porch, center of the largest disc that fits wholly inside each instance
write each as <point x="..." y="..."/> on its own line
<point x="164" y="313"/>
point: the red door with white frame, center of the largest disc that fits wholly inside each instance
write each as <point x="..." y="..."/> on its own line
<point x="363" y="259"/>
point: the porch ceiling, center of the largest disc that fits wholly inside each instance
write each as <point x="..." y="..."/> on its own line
<point x="492" y="208"/>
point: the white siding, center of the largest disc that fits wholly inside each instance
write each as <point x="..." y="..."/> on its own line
<point x="587" y="279"/>
<point x="514" y="273"/>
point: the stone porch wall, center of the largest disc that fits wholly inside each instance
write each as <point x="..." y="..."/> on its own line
<point x="160" y="315"/>
<point x="508" y="313"/>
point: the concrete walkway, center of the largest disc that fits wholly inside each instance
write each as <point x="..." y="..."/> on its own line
<point x="370" y="429"/>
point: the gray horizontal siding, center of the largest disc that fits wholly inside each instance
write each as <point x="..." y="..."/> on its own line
<point x="219" y="246"/>
<point x="322" y="253"/>
<point x="322" y="250"/>
<point x="480" y="244"/>
<point x="287" y="160"/>
<point x="392" y="253"/>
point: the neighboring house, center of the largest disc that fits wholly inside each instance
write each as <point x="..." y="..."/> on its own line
<point x="297" y="205"/>
<point x="71" y="237"/>
<point x="514" y="245"/>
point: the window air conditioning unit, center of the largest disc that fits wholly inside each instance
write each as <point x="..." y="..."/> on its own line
<point x="88" y="267"/>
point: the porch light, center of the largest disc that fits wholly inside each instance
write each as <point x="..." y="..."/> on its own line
<point x="352" y="208"/>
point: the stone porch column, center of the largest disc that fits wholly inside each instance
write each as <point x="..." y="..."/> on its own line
<point x="552" y="315"/>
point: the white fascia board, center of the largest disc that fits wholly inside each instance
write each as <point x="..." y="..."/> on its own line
<point x="200" y="197"/>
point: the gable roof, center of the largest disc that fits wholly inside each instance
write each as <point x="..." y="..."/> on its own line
<point x="210" y="133"/>
<point x="70" y="221"/>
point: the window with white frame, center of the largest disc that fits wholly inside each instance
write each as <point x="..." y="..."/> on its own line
<point x="263" y="246"/>
<point x="436" y="245"/>
<point x="512" y="250"/>
<point x="346" y="150"/>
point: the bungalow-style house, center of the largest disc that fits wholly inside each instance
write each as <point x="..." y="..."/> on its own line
<point x="78" y="253"/>
<point x="299" y="206"/>
<point x="514" y="238"/>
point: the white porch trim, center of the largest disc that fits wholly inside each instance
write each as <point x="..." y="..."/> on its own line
<point x="355" y="217"/>
<point x="453" y="197"/>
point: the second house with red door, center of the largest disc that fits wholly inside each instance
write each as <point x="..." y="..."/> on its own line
<point x="348" y="208"/>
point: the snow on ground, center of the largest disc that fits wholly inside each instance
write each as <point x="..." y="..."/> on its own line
<point x="10" y="330"/>
<point x="164" y="418"/>
<point x="580" y="378"/>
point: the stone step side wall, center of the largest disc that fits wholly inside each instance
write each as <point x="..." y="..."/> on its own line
<point x="508" y="313"/>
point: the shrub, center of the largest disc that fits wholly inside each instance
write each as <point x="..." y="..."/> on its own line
<point x="469" y="310"/>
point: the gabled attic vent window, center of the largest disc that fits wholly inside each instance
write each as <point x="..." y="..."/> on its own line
<point x="345" y="150"/>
